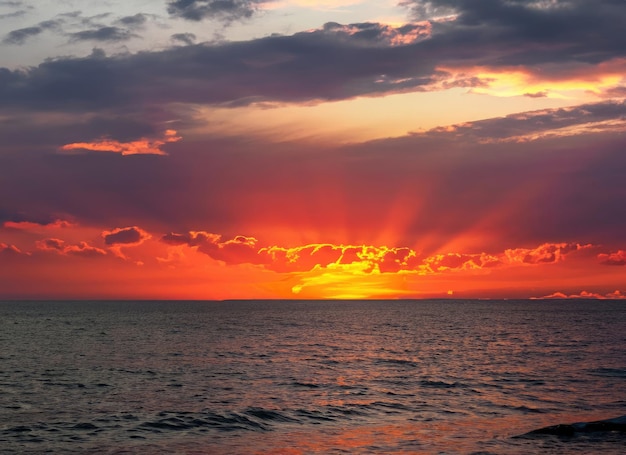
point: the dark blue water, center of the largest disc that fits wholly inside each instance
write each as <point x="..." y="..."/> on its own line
<point x="316" y="377"/>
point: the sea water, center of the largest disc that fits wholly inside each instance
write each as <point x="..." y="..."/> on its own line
<point x="310" y="377"/>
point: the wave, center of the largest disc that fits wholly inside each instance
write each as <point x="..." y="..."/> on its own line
<point x="614" y="425"/>
<point x="609" y="372"/>
<point x="254" y="419"/>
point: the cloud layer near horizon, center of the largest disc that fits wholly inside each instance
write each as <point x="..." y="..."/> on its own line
<point x="313" y="270"/>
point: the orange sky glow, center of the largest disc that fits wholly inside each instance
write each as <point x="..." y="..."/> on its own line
<point x="132" y="263"/>
<point x="314" y="150"/>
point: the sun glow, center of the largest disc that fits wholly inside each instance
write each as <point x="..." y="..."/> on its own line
<point x="510" y="82"/>
<point x="359" y="119"/>
<point x="345" y="281"/>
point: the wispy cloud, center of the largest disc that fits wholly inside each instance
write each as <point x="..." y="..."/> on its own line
<point x="22" y="35"/>
<point x="103" y="34"/>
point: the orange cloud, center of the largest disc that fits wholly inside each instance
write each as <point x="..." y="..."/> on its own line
<point x="246" y="268"/>
<point x="396" y="259"/>
<point x="34" y="226"/>
<point x="302" y="258"/>
<point x="390" y="35"/>
<point x="586" y="295"/>
<point x="84" y="249"/>
<point x="50" y="244"/>
<point x="59" y="246"/>
<point x="238" y="250"/>
<point x="546" y="253"/>
<point x="7" y="249"/>
<point x="128" y="236"/>
<point x="449" y="261"/>
<point x="192" y="238"/>
<point x="367" y="258"/>
<point x="143" y="146"/>
<point x="616" y="258"/>
<point x="242" y="249"/>
<point x="119" y="238"/>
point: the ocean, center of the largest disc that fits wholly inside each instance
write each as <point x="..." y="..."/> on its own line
<point x="310" y="377"/>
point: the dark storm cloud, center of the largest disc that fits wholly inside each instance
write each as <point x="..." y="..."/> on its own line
<point x="86" y="83"/>
<point x="321" y="65"/>
<point x="103" y="34"/>
<point x="527" y="32"/>
<point x="224" y="10"/>
<point x="332" y="63"/>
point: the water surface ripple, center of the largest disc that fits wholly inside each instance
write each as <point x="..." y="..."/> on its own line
<point x="314" y="377"/>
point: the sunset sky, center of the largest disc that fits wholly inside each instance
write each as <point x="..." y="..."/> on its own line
<point x="296" y="149"/>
